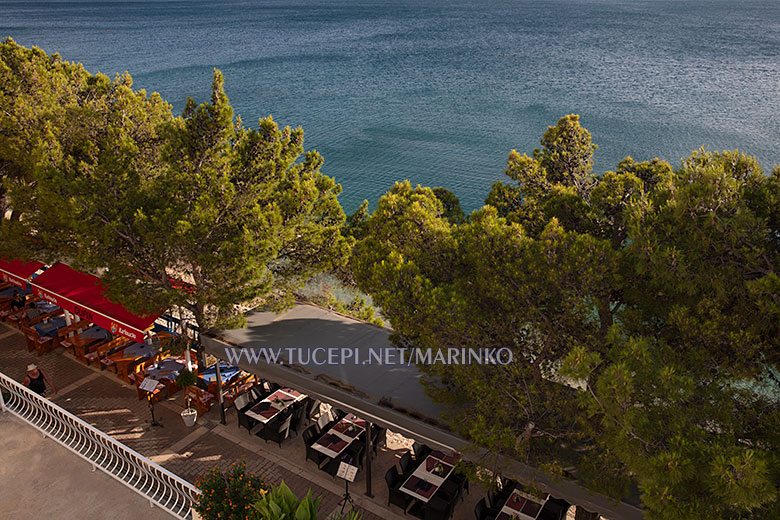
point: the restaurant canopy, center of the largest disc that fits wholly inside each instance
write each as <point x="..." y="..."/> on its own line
<point x="83" y="295"/>
<point x="18" y="272"/>
<point x="389" y="394"/>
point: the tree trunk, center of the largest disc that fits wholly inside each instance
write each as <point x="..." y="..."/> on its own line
<point x="605" y="315"/>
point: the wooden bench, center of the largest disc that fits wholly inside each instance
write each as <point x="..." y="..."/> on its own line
<point x="40" y="318"/>
<point x="97" y="352"/>
<point x="239" y="386"/>
<point x="62" y="334"/>
<point x="14" y="318"/>
<point x="137" y="377"/>
<point x="34" y="341"/>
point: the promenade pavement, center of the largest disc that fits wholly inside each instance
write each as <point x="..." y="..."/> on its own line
<point x="39" y="479"/>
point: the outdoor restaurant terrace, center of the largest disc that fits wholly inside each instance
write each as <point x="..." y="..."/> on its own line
<point x="342" y="409"/>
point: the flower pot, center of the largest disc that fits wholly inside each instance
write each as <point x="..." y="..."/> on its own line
<point x="189" y="416"/>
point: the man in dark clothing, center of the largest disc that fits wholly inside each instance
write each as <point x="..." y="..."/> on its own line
<point x="36" y="380"/>
<point x="17" y="302"/>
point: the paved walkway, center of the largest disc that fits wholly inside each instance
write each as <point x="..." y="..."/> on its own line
<point x="104" y="401"/>
<point x="39" y="479"/>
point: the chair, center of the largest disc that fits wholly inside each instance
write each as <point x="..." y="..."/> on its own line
<point x="506" y="484"/>
<point x="420" y="451"/>
<point x="258" y="393"/>
<point x="271" y="432"/>
<point x="394" y="494"/>
<point x="314" y="407"/>
<point x="299" y="419"/>
<point x="438" y="509"/>
<point x="241" y="401"/>
<point x="243" y="419"/>
<point x="378" y="437"/>
<point x="407" y="465"/>
<point x="451" y="489"/>
<point x="483" y="512"/>
<point x="355" y="451"/>
<point x="323" y="421"/>
<point x="554" y="509"/>
<point x="495" y="498"/>
<point x="309" y="436"/>
<point x="462" y="480"/>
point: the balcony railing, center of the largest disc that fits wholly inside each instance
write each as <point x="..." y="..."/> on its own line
<point x="155" y="483"/>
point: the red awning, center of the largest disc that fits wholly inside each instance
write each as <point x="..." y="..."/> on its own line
<point x="18" y="272"/>
<point x="82" y="294"/>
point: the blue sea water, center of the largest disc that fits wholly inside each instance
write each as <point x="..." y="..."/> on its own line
<point x="439" y="91"/>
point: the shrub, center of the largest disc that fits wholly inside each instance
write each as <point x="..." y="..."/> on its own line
<point x="228" y="494"/>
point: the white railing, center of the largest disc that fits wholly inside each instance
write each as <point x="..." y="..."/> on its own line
<point x="155" y="483"/>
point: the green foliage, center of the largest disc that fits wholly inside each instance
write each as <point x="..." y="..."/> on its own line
<point x="233" y="494"/>
<point x="282" y="504"/>
<point x="357" y="307"/>
<point x="117" y="183"/>
<point x="650" y="292"/>
<point x="186" y="378"/>
<point x="228" y="494"/>
<point x="452" y="210"/>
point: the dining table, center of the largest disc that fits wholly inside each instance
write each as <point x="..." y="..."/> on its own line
<point x="272" y="405"/>
<point x="521" y="506"/>
<point x="50" y="327"/>
<point x="45" y="307"/>
<point x="95" y="332"/>
<point x="8" y="292"/>
<point x="338" y="438"/>
<point x="429" y="475"/>
<point x="168" y="368"/>
<point x="137" y="350"/>
<point x="225" y="371"/>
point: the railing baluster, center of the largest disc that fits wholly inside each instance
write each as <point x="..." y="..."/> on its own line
<point x="157" y="484"/>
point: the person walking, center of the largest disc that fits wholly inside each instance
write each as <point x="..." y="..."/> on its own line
<point x="36" y="380"/>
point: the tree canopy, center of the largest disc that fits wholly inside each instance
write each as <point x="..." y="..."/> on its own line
<point x="112" y="182"/>
<point x="641" y="306"/>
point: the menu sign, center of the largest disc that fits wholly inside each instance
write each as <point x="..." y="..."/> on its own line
<point x="347" y="471"/>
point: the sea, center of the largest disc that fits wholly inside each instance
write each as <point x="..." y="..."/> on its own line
<point x="440" y="91"/>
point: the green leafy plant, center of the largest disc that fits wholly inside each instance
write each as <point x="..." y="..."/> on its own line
<point x="282" y="504"/>
<point x="228" y="493"/>
<point x="186" y="379"/>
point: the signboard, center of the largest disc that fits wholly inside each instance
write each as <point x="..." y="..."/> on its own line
<point x="148" y="384"/>
<point x="10" y="278"/>
<point x="347" y="471"/>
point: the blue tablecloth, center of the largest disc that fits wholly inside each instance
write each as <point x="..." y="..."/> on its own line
<point x="225" y="370"/>
<point x="45" y="307"/>
<point x="9" y="293"/>
<point x="95" y="332"/>
<point x="50" y="328"/>
<point x="139" y="350"/>
<point x="168" y="369"/>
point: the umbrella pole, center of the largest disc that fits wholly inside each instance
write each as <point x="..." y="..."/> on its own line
<point x="368" y="460"/>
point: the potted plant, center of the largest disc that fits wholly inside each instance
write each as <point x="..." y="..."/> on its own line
<point x="185" y="380"/>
